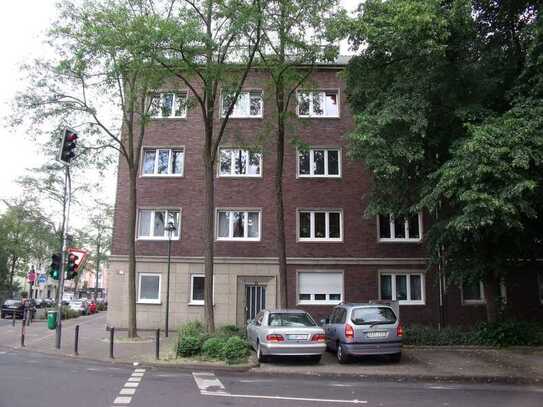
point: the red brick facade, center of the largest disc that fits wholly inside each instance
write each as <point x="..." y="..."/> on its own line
<point x="360" y="255"/>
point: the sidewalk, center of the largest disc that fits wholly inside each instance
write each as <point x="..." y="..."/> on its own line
<point x="513" y="365"/>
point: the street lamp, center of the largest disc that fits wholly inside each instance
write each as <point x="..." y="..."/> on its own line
<point x="170" y="229"/>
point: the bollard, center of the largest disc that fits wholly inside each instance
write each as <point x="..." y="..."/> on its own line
<point x="111" y="336"/>
<point x="28" y="316"/>
<point x="13" y="318"/>
<point x="23" y="330"/>
<point x="76" y="341"/>
<point x="157" y="344"/>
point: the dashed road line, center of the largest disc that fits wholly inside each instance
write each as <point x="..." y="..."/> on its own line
<point x="210" y="385"/>
<point x="129" y="389"/>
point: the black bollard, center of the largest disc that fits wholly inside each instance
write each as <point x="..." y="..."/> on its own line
<point x="13" y="318"/>
<point x="157" y="344"/>
<point x="23" y="330"/>
<point x="76" y="341"/>
<point x="111" y="336"/>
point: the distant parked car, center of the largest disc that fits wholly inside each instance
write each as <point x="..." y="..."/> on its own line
<point x="92" y="307"/>
<point x="363" y="329"/>
<point x="80" y="306"/>
<point x="288" y="332"/>
<point x="49" y="302"/>
<point x="39" y="303"/>
<point x="16" y="307"/>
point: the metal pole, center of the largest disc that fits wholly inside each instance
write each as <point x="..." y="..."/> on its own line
<point x="157" y="344"/>
<point x="65" y="218"/>
<point x="97" y="267"/>
<point x="111" y="337"/>
<point x="166" y="329"/>
<point x="23" y="329"/>
<point x="76" y="341"/>
<point x="13" y="318"/>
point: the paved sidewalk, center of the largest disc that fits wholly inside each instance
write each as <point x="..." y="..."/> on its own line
<point x="513" y="365"/>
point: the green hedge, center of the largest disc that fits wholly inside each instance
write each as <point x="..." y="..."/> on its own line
<point x="500" y="334"/>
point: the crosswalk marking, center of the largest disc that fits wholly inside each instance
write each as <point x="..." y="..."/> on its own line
<point x="122" y="400"/>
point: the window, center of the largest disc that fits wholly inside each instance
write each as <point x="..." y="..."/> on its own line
<point x="338" y="316"/>
<point x="318" y="103"/>
<point x="152" y="223"/>
<point x="473" y="292"/>
<point x="320" y="225"/>
<point x="163" y="161"/>
<point x="291" y="320"/>
<point x="149" y="288"/>
<point x="399" y="228"/>
<point x="238" y="225"/>
<point x="197" y="289"/>
<point x="235" y="162"/>
<point x="406" y="288"/>
<point x="168" y="105"/>
<point x="319" y="163"/>
<point x="248" y="104"/>
<point x="320" y="287"/>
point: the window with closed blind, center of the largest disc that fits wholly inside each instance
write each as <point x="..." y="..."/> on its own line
<point x="320" y="287"/>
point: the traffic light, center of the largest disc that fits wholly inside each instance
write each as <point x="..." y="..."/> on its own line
<point x="71" y="267"/>
<point x="67" y="147"/>
<point x="54" y="268"/>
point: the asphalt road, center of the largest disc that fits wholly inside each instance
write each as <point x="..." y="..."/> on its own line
<point x="30" y="379"/>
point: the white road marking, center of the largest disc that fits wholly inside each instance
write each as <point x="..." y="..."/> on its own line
<point x="442" y="387"/>
<point x="131" y="384"/>
<point x="139" y="370"/>
<point x="209" y="385"/>
<point x="134" y="379"/>
<point x="122" y="400"/>
<point x="137" y="374"/>
<point x="127" y="392"/>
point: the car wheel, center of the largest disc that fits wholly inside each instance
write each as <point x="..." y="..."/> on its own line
<point x="396" y="357"/>
<point x="259" y="356"/>
<point x="342" y="357"/>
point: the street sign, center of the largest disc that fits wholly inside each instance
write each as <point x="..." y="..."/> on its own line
<point x="31" y="276"/>
<point x="42" y="279"/>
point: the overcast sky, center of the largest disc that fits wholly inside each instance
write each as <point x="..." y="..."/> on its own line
<point x="22" y="27"/>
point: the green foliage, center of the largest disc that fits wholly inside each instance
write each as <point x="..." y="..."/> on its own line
<point x="68" y="313"/>
<point x="192" y="328"/>
<point x="214" y="347"/>
<point x="227" y="331"/>
<point x="189" y="345"/>
<point x="236" y="350"/>
<point x="499" y="334"/>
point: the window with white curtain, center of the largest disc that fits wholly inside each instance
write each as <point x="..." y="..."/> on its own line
<point x="405" y="287"/>
<point x="319" y="162"/>
<point x="238" y="225"/>
<point x="163" y="161"/>
<point x="320" y="287"/>
<point x="236" y="162"/>
<point x="324" y="103"/>
<point x="248" y="105"/>
<point x="152" y="223"/>
<point x="168" y="105"/>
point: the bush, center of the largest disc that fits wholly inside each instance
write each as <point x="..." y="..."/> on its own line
<point x="236" y="350"/>
<point x="509" y="333"/>
<point x="68" y="313"/>
<point x="189" y="345"/>
<point x="424" y="335"/>
<point x="101" y="307"/>
<point x="229" y="330"/>
<point x="192" y="328"/>
<point x="214" y="347"/>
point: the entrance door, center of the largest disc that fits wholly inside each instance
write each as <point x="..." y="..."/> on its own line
<point x="255" y="300"/>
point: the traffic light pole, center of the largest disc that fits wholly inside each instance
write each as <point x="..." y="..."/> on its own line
<point x="65" y="219"/>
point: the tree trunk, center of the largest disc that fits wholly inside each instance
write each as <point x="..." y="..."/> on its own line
<point x="132" y="214"/>
<point x="279" y="203"/>
<point x="209" y="201"/>
<point x="11" y="275"/>
<point x="491" y="289"/>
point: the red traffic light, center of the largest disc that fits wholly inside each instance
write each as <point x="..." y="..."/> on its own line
<point x="71" y="137"/>
<point x="67" y="146"/>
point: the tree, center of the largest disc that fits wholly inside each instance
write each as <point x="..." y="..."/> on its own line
<point x="289" y="54"/>
<point x="210" y="46"/>
<point x="446" y="122"/>
<point x="102" y="66"/>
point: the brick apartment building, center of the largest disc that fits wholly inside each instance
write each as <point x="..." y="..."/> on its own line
<point x="335" y="253"/>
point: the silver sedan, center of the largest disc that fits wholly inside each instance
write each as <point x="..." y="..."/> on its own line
<point x="285" y="332"/>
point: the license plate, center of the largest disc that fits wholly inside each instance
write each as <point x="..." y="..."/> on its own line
<point x="377" y="334"/>
<point x="297" y="337"/>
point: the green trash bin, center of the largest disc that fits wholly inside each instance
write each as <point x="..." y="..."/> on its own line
<point x="52" y="319"/>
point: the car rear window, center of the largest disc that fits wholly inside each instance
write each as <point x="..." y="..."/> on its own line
<point x="287" y="319"/>
<point x="373" y="315"/>
<point x="12" y="302"/>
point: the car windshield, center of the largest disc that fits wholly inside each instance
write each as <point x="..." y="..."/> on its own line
<point x="294" y="320"/>
<point x="373" y="315"/>
<point x="12" y="302"/>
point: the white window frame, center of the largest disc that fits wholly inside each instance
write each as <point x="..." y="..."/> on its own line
<point x="174" y="104"/>
<point x="311" y="115"/>
<point x="235" y="114"/>
<point x="147" y="300"/>
<point x="170" y="161"/>
<point x="232" y="166"/>
<point x="192" y="300"/>
<point x="312" y="159"/>
<point x="312" y="237"/>
<point x="408" y="274"/>
<point x="482" y="300"/>
<point x="393" y="231"/>
<point x="312" y="301"/>
<point x="152" y="222"/>
<point x="230" y="237"/>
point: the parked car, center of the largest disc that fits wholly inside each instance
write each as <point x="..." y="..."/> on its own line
<point x="49" y="302"/>
<point x="92" y="307"/>
<point x="79" y="305"/>
<point x="17" y="307"/>
<point x="285" y="332"/>
<point x="363" y="329"/>
<point x="39" y="303"/>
